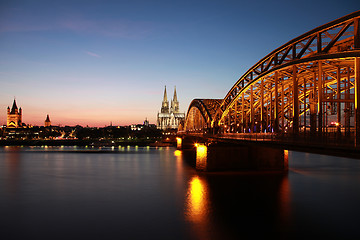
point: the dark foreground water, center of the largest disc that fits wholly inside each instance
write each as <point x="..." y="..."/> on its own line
<point x="149" y="193"/>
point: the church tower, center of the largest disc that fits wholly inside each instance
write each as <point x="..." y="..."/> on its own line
<point x="47" y="121"/>
<point x="14" y="116"/>
<point x="165" y="103"/>
<point x="175" y="103"/>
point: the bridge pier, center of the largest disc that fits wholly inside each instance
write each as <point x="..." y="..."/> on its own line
<point x="214" y="156"/>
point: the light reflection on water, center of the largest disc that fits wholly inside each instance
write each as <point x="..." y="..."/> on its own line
<point x="118" y="193"/>
<point x="197" y="207"/>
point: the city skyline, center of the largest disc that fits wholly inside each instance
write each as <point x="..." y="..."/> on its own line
<point x="95" y="62"/>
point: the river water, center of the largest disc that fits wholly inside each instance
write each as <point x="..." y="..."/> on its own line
<point x="153" y="193"/>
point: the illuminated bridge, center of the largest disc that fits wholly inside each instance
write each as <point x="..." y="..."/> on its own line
<point x="304" y="94"/>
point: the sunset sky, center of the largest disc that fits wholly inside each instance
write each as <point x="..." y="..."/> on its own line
<point x="96" y="62"/>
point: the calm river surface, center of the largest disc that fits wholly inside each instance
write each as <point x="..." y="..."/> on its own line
<point x="152" y="193"/>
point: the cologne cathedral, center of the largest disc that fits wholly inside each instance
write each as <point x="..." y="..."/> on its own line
<point x="169" y="116"/>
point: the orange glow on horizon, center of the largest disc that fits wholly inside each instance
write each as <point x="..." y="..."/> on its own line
<point x="72" y="116"/>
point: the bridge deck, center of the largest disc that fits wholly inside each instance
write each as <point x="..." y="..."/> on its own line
<point x="333" y="146"/>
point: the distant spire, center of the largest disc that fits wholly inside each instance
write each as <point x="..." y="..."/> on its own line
<point x="47" y="118"/>
<point x="175" y="96"/>
<point x="165" y="95"/>
<point x="165" y="103"/>
<point x="14" y="107"/>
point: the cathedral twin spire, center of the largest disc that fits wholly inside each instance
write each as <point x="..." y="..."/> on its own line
<point x="169" y="117"/>
<point x="174" y="103"/>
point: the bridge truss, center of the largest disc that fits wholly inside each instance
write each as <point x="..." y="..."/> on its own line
<point x="200" y="114"/>
<point x="309" y="86"/>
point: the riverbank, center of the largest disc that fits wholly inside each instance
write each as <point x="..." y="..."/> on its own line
<point x="77" y="142"/>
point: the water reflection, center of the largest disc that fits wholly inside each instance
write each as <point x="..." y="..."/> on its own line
<point x="197" y="207"/>
<point x="12" y="161"/>
<point x="284" y="202"/>
<point x="157" y="192"/>
<point x="229" y="205"/>
<point x="177" y="153"/>
<point x="197" y="198"/>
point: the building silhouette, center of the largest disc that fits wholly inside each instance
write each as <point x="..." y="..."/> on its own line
<point x="14" y="116"/>
<point x="169" y="116"/>
<point x="146" y="122"/>
<point x="47" y="121"/>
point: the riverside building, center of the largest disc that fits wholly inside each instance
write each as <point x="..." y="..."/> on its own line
<point x="14" y="116"/>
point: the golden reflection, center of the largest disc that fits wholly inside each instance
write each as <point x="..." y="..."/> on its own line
<point x="284" y="201"/>
<point x="197" y="207"/>
<point x="197" y="200"/>
<point x="13" y="160"/>
<point x="177" y="153"/>
<point x="201" y="156"/>
<point x="197" y="193"/>
<point x="179" y="168"/>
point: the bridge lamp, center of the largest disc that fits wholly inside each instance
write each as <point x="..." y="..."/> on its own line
<point x="201" y="156"/>
<point x="179" y="142"/>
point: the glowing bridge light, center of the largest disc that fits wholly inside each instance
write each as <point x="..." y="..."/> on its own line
<point x="201" y="156"/>
<point x="178" y="142"/>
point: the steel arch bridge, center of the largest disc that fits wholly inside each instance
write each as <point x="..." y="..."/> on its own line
<point x="307" y="87"/>
<point x="200" y="114"/>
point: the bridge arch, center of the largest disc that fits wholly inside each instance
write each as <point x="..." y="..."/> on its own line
<point x="200" y="114"/>
<point x="303" y="86"/>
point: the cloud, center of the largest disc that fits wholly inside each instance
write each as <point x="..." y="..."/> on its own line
<point x="92" y="54"/>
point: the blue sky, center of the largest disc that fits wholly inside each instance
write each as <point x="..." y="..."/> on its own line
<point x="96" y="62"/>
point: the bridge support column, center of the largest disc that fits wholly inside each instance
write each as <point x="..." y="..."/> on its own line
<point x="338" y="106"/>
<point x="220" y="157"/>
<point x="262" y="124"/>
<point x="295" y="102"/>
<point x="276" y="104"/>
<point x="357" y="102"/>
<point x="347" y="104"/>
<point x="252" y="117"/>
<point x="243" y="114"/>
<point x="282" y="106"/>
<point x="320" y="102"/>
<point x="313" y="105"/>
